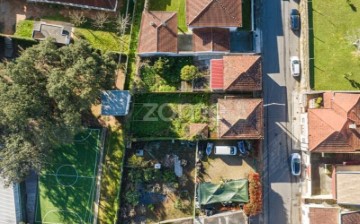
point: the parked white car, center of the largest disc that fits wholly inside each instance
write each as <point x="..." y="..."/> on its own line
<point x="295" y="66"/>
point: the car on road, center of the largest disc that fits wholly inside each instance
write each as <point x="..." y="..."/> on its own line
<point x="295" y="164"/>
<point x="295" y="19"/>
<point x="295" y="66"/>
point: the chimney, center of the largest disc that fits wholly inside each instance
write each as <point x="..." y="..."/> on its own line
<point x="352" y="126"/>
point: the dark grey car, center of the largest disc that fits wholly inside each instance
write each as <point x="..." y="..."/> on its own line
<point x="295" y="19"/>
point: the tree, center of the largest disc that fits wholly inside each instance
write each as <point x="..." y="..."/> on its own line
<point x="44" y="94"/>
<point x="132" y="198"/>
<point x="101" y="18"/>
<point x="122" y="23"/>
<point x="77" y="18"/>
<point x="189" y="72"/>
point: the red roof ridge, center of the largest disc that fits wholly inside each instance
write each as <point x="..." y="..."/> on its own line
<point x="257" y="103"/>
<point x="244" y="72"/>
<point x="331" y="126"/>
<point x="202" y="11"/>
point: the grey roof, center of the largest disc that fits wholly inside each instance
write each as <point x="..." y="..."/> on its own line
<point x="115" y="102"/>
<point x="43" y="30"/>
<point x="10" y="212"/>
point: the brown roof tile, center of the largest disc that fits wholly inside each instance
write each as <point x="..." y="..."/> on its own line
<point x="350" y="218"/>
<point x="242" y="73"/>
<point x="329" y="127"/>
<point x="214" y="13"/>
<point x="158" y="32"/>
<point x="199" y="129"/>
<point x="211" y="39"/>
<point x="324" y="215"/>
<point x="101" y="4"/>
<point x="240" y="118"/>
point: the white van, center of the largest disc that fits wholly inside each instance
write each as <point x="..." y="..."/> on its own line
<point x="225" y="150"/>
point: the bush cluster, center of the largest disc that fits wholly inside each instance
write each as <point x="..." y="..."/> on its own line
<point x="254" y="207"/>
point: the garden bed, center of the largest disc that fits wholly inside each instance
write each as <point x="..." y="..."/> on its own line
<point x="168" y="115"/>
<point x="161" y="74"/>
<point x="152" y="195"/>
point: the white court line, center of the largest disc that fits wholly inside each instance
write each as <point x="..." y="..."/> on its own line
<point x="60" y="210"/>
<point x="91" y="195"/>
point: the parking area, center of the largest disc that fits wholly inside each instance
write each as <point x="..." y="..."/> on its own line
<point x="217" y="168"/>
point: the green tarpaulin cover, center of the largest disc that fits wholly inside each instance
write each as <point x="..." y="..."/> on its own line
<point x="234" y="191"/>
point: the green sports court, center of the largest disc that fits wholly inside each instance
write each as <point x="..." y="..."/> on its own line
<point x="66" y="189"/>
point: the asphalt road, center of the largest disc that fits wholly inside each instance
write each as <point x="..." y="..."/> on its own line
<point x="281" y="189"/>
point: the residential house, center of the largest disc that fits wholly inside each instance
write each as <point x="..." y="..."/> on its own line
<point x="105" y="5"/>
<point x="236" y="73"/>
<point x="61" y="33"/>
<point x="211" y="13"/>
<point x="240" y="118"/>
<point x="335" y="127"/>
<point x="158" y="33"/>
<point x="327" y="214"/>
<point x="211" y="23"/>
<point x="330" y="140"/>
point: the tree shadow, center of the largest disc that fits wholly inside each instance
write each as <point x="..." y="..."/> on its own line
<point x="352" y="6"/>
<point x="353" y="83"/>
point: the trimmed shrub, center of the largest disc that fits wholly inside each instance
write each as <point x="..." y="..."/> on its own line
<point x="254" y="207"/>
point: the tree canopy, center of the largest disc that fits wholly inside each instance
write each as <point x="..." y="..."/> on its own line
<point x="44" y="94"/>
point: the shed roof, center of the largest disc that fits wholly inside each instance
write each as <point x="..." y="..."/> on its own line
<point x="217" y="73"/>
<point x="322" y="215"/>
<point x="348" y="184"/>
<point x="10" y="211"/>
<point x="115" y="102"/>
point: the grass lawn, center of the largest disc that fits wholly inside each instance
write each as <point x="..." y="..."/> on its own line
<point x="174" y="6"/>
<point x="168" y="115"/>
<point x="104" y="40"/>
<point x="24" y="28"/>
<point x="111" y="178"/>
<point x="67" y="187"/>
<point x="335" y="27"/>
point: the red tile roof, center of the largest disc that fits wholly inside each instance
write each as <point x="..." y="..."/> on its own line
<point x="242" y="73"/>
<point x="217" y="74"/>
<point x="324" y="215"/>
<point x="350" y="218"/>
<point x="214" y="13"/>
<point x="158" y="32"/>
<point x="211" y="39"/>
<point x="199" y="130"/>
<point x="329" y="129"/>
<point x="95" y="4"/>
<point x="240" y="118"/>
